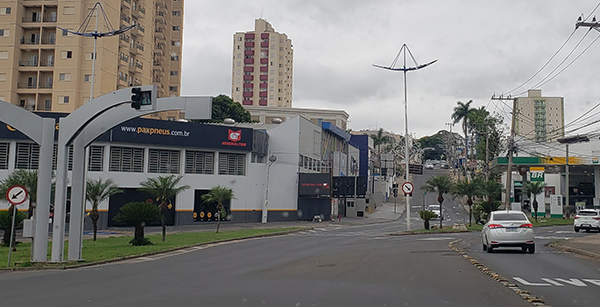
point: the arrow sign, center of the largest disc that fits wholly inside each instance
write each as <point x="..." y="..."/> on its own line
<point x="16" y="195"/>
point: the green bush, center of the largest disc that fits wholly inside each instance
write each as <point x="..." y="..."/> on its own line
<point x="138" y="214"/>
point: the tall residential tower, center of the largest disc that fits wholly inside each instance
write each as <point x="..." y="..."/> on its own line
<point x="540" y="119"/>
<point x="43" y="68"/>
<point x="262" y="67"/>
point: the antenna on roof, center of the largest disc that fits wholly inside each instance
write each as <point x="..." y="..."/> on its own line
<point x="261" y="12"/>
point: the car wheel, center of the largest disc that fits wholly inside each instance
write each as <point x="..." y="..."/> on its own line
<point x="587" y="230"/>
<point x="484" y="247"/>
<point x="490" y="249"/>
<point x="532" y="248"/>
<point x="576" y="229"/>
<point x="524" y="248"/>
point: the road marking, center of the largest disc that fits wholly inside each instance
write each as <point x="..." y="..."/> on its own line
<point x="551" y="238"/>
<point x="436" y="239"/>
<point x="560" y="282"/>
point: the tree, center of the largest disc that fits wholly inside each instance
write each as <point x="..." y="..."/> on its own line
<point x="224" y="107"/>
<point x="426" y="216"/>
<point x="6" y="219"/>
<point x="27" y="179"/>
<point x="163" y="188"/>
<point x="219" y="195"/>
<point x="534" y="188"/>
<point x="378" y="140"/>
<point x="461" y="112"/>
<point x="492" y="191"/>
<point x="97" y="191"/>
<point x="469" y="189"/>
<point x="440" y="184"/>
<point x="138" y="214"/>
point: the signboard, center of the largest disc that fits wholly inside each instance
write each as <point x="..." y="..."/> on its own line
<point x="16" y="195"/>
<point x="314" y="185"/>
<point x="556" y="208"/>
<point x="536" y="174"/>
<point x="415" y="169"/>
<point x="407" y="188"/>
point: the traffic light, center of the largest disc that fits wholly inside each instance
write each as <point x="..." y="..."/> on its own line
<point x="140" y="98"/>
<point x="136" y="98"/>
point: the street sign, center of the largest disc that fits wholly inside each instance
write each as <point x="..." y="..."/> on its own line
<point x="16" y="195"/>
<point x="407" y="188"/>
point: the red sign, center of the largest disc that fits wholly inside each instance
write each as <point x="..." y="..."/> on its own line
<point x="234" y="138"/>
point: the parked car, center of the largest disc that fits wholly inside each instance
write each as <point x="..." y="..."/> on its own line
<point x="429" y="166"/>
<point x="508" y="228"/>
<point x="587" y="219"/>
<point x="435" y="209"/>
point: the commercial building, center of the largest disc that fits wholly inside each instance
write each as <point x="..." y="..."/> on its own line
<point x="43" y="68"/>
<point x="262" y="70"/>
<point x="540" y="119"/>
<point x="294" y="161"/>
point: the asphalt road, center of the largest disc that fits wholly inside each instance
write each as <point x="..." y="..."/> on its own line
<point x="333" y="266"/>
<point x="559" y="278"/>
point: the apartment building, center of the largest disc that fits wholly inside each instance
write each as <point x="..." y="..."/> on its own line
<point x="263" y="64"/>
<point x="43" y="68"/>
<point x="540" y="119"/>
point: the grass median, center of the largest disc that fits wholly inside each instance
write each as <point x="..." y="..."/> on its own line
<point x="118" y="247"/>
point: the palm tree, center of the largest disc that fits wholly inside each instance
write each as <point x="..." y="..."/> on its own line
<point x="380" y="139"/>
<point x="97" y="191"/>
<point x="163" y="188"/>
<point x="27" y="179"/>
<point x="461" y="112"/>
<point x="534" y="188"/>
<point x="426" y="216"/>
<point x="219" y="195"/>
<point x="138" y="214"/>
<point x="469" y="189"/>
<point x="6" y="218"/>
<point x="492" y="191"/>
<point x="440" y="184"/>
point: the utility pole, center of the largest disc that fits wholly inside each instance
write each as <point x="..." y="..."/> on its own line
<point x="404" y="69"/>
<point x="511" y="147"/>
<point x="450" y="148"/>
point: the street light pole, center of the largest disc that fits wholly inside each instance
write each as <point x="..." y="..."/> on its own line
<point x="404" y="69"/>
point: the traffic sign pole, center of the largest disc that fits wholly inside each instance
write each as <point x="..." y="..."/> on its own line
<point x="16" y="195"/>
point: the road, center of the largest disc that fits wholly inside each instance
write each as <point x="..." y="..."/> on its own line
<point x="559" y="278"/>
<point x="332" y="266"/>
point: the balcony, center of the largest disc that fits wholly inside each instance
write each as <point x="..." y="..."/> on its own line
<point x="264" y="61"/>
<point x="248" y="61"/>
<point x="247" y="102"/>
<point x="249" y="69"/>
<point x="28" y="63"/>
<point x="248" y="77"/>
<point x="30" y="41"/>
<point x="33" y="18"/>
<point x="264" y="35"/>
<point x="27" y="85"/>
<point x="263" y="85"/>
<point x="249" y="44"/>
<point x="248" y="94"/>
<point x="248" y="85"/>
<point x="264" y="44"/>
<point x="262" y="102"/>
<point x="264" y="69"/>
<point x="249" y="35"/>
<point x="264" y="77"/>
<point x="249" y="52"/>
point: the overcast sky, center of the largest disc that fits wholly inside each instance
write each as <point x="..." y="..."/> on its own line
<point x="482" y="47"/>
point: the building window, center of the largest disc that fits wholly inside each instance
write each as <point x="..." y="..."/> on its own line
<point x="4" y="150"/>
<point x="5" y="10"/>
<point x="64" y="77"/>
<point x="126" y="159"/>
<point x="173" y="88"/>
<point x="63" y="99"/>
<point x="174" y="73"/>
<point x="89" y="56"/>
<point x="163" y="161"/>
<point x="87" y="78"/>
<point x="176" y="13"/>
<point x="3" y="77"/>
<point x="55" y="157"/>
<point x="4" y="32"/>
<point x="3" y="55"/>
<point x="176" y="28"/>
<point x="174" y="58"/>
<point x="69" y="10"/>
<point x="66" y="54"/>
<point x="199" y="162"/>
<point x="232" y="164"/>
<point x="28" y="156"/>
<point x="96" y="159"/>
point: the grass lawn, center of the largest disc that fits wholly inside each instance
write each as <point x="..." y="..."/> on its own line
<point x="119" y="247"/>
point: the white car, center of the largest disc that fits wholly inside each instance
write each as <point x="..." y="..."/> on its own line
<point x="587" y="219"/>
<point x="508" y="228"/>
<point x="428" y="166"/>
<point x="435" y="209"/>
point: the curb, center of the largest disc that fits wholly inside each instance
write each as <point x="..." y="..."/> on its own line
<point x="574" y="250"/>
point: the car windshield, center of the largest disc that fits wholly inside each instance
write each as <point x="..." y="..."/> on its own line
<point x="509" y="217"/>
<point x="433" y="208"/>
<point x="587" y="213"/>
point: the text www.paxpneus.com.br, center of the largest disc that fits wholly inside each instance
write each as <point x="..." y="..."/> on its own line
<point x="151" y="131"/>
